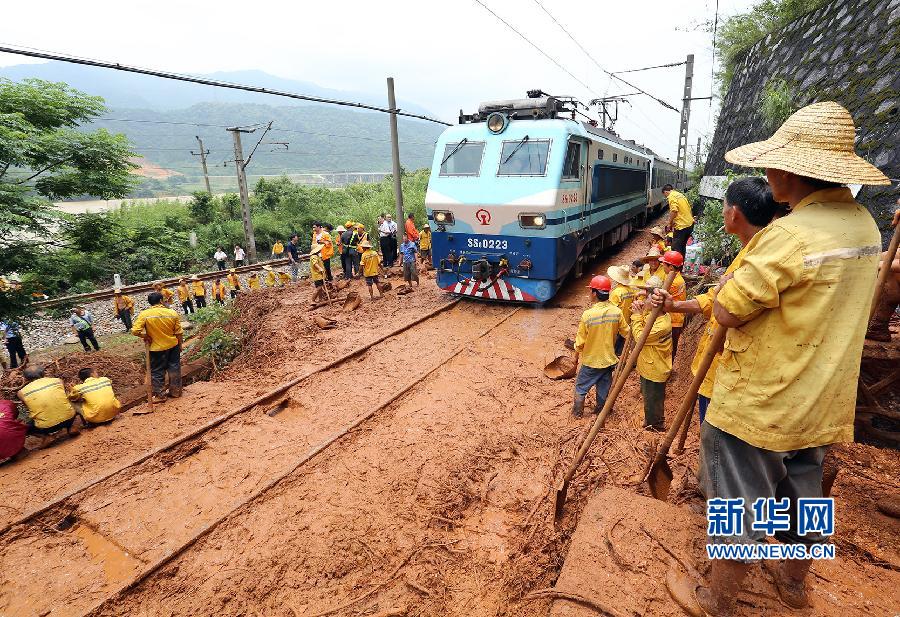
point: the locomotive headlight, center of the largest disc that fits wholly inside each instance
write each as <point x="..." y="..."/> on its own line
<point x="497" y="123"/>
<point x="532" y="221"/>
<point x="443" y="217"/>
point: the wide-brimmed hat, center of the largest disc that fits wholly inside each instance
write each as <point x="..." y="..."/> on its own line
<point x="426" y="225"/>
<point x="267" y="268"/>
<point x="315" y="249"/>
<point x="232" y="270"/>
<point x="194" y="277"/>
<point x="619" y="274"/>
<point x="654" y="282"/>
<point x="658" y="231"/>
<point x="360" y="226"/>
<point x="366" y="244"/>
<point x="817" y="141"/>
<point x="340" y="228"/>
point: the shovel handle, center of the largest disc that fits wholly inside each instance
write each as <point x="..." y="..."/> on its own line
<point x="690" y="398"/>
<point x="885" y="269"/>
<point x="617" y="386"/>
<point x="149" y="375"/>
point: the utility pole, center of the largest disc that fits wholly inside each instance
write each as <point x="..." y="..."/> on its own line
<point x="685" y="118"/>
<point x="240" y="166"/>
<point x="202" y="154"/>
<point x="395" y="152"/>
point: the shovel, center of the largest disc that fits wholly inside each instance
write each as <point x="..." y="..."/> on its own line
<point x="561" y="367"/>
<point x="614" y="391"/>
<point x="883" y="274"/>
<point x="658" y="473"/>
<point x="324" y="323"/>
<point x="352" y="302"/>
<point x="149" y="408"/>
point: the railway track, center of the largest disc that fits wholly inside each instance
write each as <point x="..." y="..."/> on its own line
<point x="78" y="507"/>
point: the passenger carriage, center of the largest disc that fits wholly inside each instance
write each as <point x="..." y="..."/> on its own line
<point x="520" y="196"/>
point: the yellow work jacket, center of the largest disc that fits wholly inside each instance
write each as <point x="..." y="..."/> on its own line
<point x="678" y="203"/>
<point x="316" y="268"/>
<point x="218" y="291"/>
<point x="324" y="238"/>
<point x="278" y="249"/>
<point x="199" y="288"/>
<point x="370" y="263"/>
<point x="46" y="401"/>
<point x="425" y="240"/>
<point x="162" y="324"/>
<point x="99" y="402"/>
<point x="234" y="281"/>
<point x="597" y="332"/>
<point x="167" y="295"/>
<point x="123" y="302"/>
<point x="788" y="376"/>
<point x="655" y="360"/>
<point x="678" y="291"/>
<point x="271" y="280"/>
<point x="253" y="282"/>
<point x="622" y="297"/>
<point x="184" y="293"/>
<point x="285" y="277"/>
<point x="706" y="304"/>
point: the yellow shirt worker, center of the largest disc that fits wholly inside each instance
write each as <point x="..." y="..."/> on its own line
<point x="371" y="267"/>
<point x="98" y="400"/>
<point x="672" y="261"/>
<point x="234" y="282"/>
<point x="198" y="288"/>
<point x="654" y="363"/>
<point x="681" y="219"/>
<point x="48" y="406"/>
<point x="278" y="250"/>
<point x="595" y="345"/>
<point x="622" y="294"/>
<point x="796" y="311"/>
<point x="161" y="328"/>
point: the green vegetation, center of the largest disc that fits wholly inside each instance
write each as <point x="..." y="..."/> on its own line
<point x="776" y="103"/>
<point x="739" y="32"/>
<point x="144" y="242"/>
<point x="42" y="157"/>
<point x="718" y="244"/>
<point x="220" y="346"/>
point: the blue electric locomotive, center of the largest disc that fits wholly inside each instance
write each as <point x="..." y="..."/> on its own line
<point x="521" y="194"/>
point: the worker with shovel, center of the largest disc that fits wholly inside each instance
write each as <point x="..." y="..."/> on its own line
<point x="595" y="345"/>
<point x="317" y="272"/>
<point x="160" y="327"/>
<point x="622" y="294"/>
<point x="371" y="268"/>
<point x="672" y="261"/>
<point x="654" y="364"/>
<point x="786" y="384"/>
<point x="748" y="207"/>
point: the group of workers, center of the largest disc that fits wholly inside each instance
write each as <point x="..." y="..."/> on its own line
<point x="795" y="302"/>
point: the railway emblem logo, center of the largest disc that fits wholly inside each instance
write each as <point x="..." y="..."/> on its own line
<point x="483" y="216"/>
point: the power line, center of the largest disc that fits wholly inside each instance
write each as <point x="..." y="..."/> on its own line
<point x="648" y="68"/>
<point x="587" y="53"/>
<point x="206" y="82"/>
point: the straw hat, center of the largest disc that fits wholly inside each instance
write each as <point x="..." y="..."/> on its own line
<point x="619" y="274"/>
<point x="341" y="229"/>
<point x="816" y="141"/>
<point x="658" y="231"/>
<point x="193" y="277"/>
<point x="652" y="283"/>
<point x="426" y="225"/>
<point x="232" y="270"/>
<point x="366" y="244"/>
<point x="315" y="249"/>
<point x="267" y="268"/>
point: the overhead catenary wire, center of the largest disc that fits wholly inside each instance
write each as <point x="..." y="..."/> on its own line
<point x="46" y="55"/>
<point x="649" y="68"/>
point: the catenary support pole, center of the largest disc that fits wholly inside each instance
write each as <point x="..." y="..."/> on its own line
<point x="395" y="152"/>
<point x="685" y="119"/>
<point x="202" y="154"/>
<point x="244" y="193"/>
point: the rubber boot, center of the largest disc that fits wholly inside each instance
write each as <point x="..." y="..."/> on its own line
<point x="726" y="579"/>
<point x="578" y="407"/>
<point x="887" y="303"/>
<point x="790" y="580"/>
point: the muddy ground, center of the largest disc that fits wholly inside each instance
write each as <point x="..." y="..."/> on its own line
<point x="352" y="500"/>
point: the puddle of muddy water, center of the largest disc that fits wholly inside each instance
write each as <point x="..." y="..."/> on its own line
<point x="118" y="565"/>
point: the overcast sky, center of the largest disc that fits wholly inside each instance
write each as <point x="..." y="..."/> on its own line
<point x="444" y="55"/>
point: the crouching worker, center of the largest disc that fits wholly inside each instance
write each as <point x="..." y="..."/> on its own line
<point x="595" y="345"/>
<point x="48" y="406"/>
<point x="371" y="267"/>
<point x="12" y="432"/>
<point x="160" y="327"/>
<point x="655" y="360"/>
<point x="98" y="401"/>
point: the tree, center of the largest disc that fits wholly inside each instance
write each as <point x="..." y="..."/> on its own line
<point x="201" y="207"/>
<point x="44" y="156"/>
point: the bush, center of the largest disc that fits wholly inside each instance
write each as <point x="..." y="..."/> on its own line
<point x="214" y="313"/>
<point x="776" y="103"/>
<point x="221" y="346"/>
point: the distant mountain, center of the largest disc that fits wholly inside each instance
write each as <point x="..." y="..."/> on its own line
<point x="161" y="119"/>
<point x="121" y="89"/>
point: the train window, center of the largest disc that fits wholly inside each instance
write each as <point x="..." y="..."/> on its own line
<point x="600" y="154"/>
<point x="524" y="158"/>
<point x="612" y="182"/>
<point x="462" y="159"/>
<point x="615" y="157"/>
<point x="572" y="165"/>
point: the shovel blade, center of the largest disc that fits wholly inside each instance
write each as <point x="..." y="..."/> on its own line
<point x="560" y="501"/>
<point x="660" y="479"/>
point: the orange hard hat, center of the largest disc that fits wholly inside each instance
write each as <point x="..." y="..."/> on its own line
<point x="601" y="283"/>
<point x="673" y="258"/>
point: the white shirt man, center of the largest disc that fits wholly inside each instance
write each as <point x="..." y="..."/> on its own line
<point x="387" y="228"/>
<point x="220" y="255"/>
<point x="239" y="254"/>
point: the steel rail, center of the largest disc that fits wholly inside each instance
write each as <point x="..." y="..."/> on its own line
<point x="118" y="595"/>
<point x="58" y="501"/>
<point x="105" y="294"/>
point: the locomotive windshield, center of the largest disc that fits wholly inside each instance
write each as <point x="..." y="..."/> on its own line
<point x="462" y="158"/>
<point x="527" y="157"/>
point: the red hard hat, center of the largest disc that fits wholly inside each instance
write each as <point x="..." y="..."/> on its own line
<point x="673" y="258"/>
<point x="601" y="283"/>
